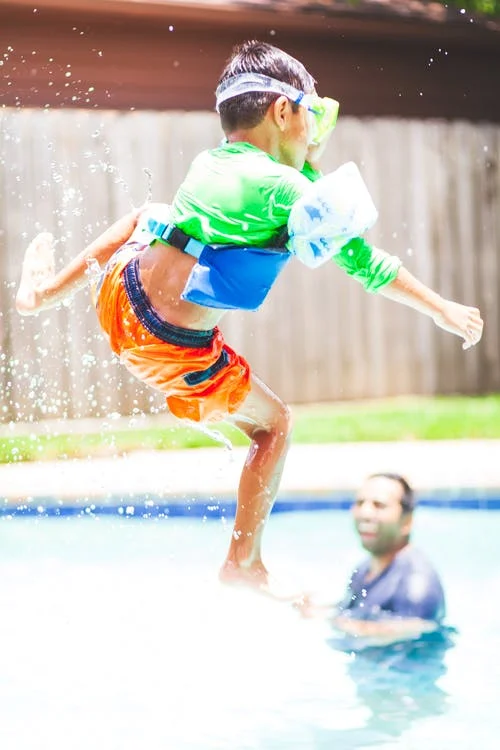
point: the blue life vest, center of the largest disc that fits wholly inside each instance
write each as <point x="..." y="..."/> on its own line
<point x="228" y="277"/>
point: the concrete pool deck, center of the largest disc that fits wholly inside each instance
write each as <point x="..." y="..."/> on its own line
<point x="454" y="469"/>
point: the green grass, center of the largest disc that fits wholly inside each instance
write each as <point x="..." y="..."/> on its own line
<point x="441" y="418"/>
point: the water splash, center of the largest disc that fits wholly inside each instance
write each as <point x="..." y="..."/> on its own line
<point x="94" y="270"/>
<point x="210" y="432"/>
<point x="149" y="193"/>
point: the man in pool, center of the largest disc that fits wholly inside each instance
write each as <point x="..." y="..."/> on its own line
<point x="162" y="295"/>
<point x="395" y="594"/>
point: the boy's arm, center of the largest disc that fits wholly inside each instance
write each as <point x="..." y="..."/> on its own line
<point x="459" y="319"/>
<point x="40" y="288"/>
<point x="383" y="273"/>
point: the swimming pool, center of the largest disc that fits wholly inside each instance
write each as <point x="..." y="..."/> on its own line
<point x="116" y="635"/>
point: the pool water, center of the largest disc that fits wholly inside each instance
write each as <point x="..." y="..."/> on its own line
<point x="115" y="635"/>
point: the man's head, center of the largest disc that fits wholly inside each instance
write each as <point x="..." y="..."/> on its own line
<point x="287" y="121"/>
<point x="383" y="513"/>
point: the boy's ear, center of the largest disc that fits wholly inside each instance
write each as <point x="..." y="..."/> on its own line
<point x="281" y="110"/>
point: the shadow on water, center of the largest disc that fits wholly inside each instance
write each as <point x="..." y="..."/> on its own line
<point x="397" y="684"/>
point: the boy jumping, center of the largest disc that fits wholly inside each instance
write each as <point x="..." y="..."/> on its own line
<point x="170" y="273"/>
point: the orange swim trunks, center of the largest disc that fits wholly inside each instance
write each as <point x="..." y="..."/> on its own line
<point x="203" y="378"/>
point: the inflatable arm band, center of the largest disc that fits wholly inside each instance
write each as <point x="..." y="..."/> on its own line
<point x="334" y="210"/>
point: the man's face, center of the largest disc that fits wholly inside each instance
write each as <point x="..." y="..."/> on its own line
<point x="378" y="516"/>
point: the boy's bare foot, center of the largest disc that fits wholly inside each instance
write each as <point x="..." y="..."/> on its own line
<point x="256" y="578"/>
<point x="38" y="268"/>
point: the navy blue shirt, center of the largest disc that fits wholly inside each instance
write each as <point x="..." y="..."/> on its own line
<point x="408" y="587"/>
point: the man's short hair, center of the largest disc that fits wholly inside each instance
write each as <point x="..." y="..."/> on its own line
<point x="248" y="110"/>
<point x="408" y="498"/>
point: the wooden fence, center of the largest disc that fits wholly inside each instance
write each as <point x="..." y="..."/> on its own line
<point x="319" y="337"/>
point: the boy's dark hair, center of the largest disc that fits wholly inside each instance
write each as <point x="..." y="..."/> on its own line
<point x="408" y="499"/>
<point x="247" y="110"/>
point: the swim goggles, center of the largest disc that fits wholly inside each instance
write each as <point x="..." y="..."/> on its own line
<point x="323" y="111"/>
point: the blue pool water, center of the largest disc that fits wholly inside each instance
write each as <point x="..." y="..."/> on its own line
<point x="115" y="635"/>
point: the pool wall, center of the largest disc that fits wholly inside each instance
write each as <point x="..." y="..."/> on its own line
<point x="203" y="482"/>
<point x="211" y="506"/>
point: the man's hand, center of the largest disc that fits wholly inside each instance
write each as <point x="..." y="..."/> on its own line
<point x="304" y="606"/>
<point x="309" y="609"/>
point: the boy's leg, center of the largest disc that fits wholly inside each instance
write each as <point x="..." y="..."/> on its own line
<point x="267" y="422"/>
<point x="41" y="288"/>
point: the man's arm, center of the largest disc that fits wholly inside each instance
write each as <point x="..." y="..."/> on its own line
<point x="383" y="632"/>
<point x="40" y="288"/>
<point x="407" y="605"/>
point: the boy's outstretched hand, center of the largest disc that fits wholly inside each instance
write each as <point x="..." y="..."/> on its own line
<point x="462" y="321"/>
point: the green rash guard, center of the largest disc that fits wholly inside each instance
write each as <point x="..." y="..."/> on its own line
<point x="373" y="268"/>
<point x="238" y="194"/>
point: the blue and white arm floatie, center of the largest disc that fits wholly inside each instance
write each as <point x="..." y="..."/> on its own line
<point x="334" y="210"/>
